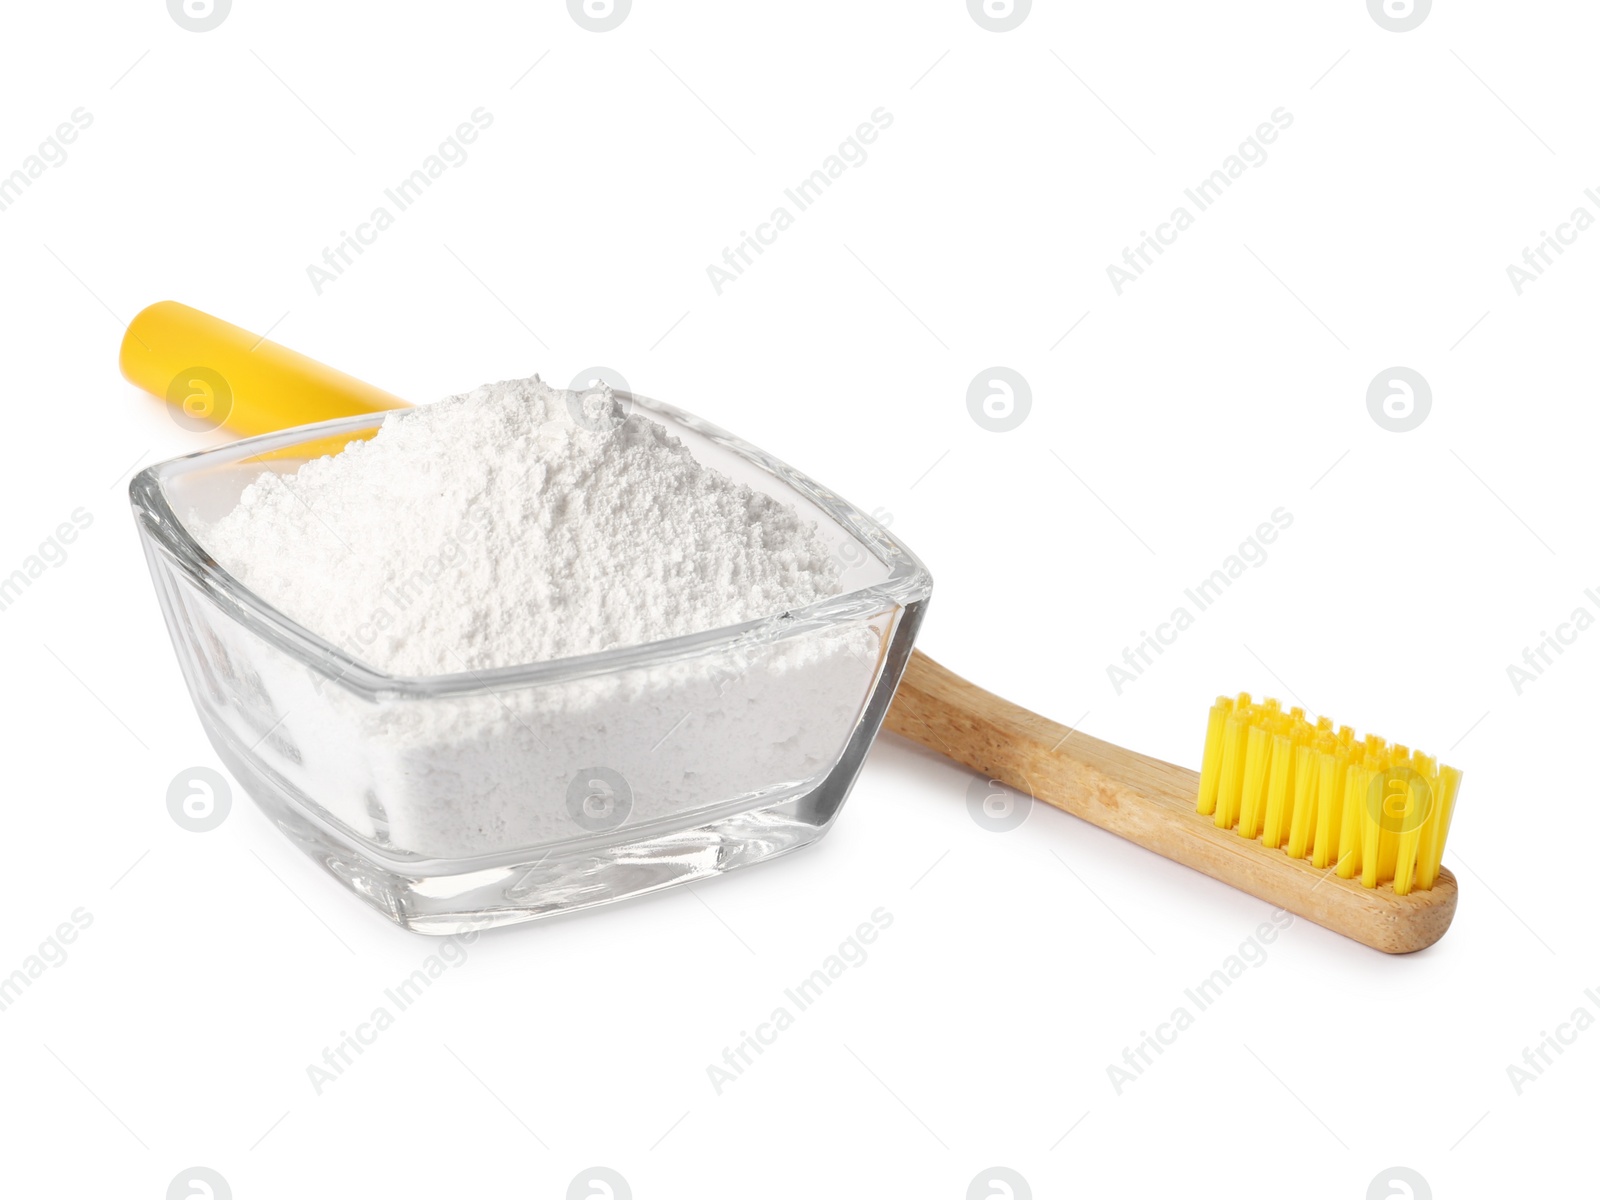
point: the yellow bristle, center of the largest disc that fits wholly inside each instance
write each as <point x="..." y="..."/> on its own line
<point x="1408" y="838"/>
<point x="1280" y="795"/>
<point x="1235" y="731"/>
<point x="1257" y="750"/>
<point x="1211" y="764"/>
<point x="1395" y="813"/>
<point x="1372" y="782"/>
<point x="1330" y="807"/>
<point x="1304" y="813"/>
<point x="1434" y="830"/>
<point x="1374" y="811"/>
<point x="1351" y="844"/>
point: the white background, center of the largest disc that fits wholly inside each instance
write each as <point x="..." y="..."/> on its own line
<point x="1228" y="381"/>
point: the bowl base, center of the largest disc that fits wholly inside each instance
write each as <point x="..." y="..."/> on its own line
<point x="442" y="901"/>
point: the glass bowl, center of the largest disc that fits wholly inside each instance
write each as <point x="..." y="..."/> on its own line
<point x="465" y="801"/>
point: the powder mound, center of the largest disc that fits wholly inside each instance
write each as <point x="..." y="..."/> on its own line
<point x="496" y="528"/>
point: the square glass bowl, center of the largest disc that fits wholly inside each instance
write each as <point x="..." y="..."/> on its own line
<point x="466" y="801"/>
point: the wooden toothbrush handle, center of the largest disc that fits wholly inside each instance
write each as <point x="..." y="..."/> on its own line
<point x="1151" y="803"/>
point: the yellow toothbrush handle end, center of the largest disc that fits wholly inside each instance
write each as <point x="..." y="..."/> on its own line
<point x="220" y="374"/>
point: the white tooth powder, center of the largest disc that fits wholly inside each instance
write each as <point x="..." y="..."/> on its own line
<point x="492" y="530"/>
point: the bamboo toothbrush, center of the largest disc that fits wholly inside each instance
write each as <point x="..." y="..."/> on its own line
<point x="1344" y="832"/>
<point x="1273" y="789"/>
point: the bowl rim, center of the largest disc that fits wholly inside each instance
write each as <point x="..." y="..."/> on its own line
<point x="908" y="580"/>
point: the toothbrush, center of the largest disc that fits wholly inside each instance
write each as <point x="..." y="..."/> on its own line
<point x="1343" y="832"/>
<point x="1165" y="808"/>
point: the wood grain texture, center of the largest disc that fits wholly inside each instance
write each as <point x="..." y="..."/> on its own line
<point x="1151" y="803"/>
